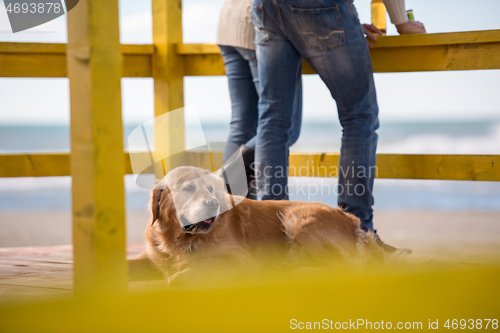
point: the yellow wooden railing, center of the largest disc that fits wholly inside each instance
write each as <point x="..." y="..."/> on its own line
<point x="94" y="62"/>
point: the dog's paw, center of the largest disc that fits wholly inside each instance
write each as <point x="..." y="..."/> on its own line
<point x="179" y="279"/>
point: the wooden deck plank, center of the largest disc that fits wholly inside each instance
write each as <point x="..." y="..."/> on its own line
<point x="30" y="273"/>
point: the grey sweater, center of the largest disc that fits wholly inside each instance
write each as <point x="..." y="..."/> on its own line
<point x="235" y="24"/>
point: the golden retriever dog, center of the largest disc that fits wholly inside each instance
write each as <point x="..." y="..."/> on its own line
<point x="197" y="226"/>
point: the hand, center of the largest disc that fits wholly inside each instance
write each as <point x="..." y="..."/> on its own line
<point x="370" y="31"/>
<point x="411" y="27"/>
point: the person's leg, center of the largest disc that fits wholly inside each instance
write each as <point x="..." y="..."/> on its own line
<point x="250" y="56"/>
<point x="279" y="65"/>
<point x="244" y="98"/>
<point x="241" y="70"/>
<point x="293" y="135"/>
<point x="328" y="34"/>
<point x="294" y="132"/>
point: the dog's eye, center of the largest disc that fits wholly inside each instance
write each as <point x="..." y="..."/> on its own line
<point x="210" y="189"/>
<point x="188" y="188"/>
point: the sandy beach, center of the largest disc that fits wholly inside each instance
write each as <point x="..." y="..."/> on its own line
<point x="463" y="236"/>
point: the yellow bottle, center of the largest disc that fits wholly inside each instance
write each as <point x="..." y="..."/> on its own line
<point x="379" y="15"/>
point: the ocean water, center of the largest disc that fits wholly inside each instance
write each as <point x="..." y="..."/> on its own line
<point x="54" y="193"/>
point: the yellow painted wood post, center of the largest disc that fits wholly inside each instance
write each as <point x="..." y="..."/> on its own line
<point x="168" y="74"/>
<point x="94" y="61"/>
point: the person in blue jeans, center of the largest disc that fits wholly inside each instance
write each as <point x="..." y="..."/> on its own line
<point x="329" y="35"/>
<point x="243" y="83"/>
<point x="235" y="35"/>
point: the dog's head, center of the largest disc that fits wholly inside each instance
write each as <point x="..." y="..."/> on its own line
<point x="192" y="197"/>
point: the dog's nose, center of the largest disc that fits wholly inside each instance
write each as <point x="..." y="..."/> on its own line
<point x="212" y="203"/>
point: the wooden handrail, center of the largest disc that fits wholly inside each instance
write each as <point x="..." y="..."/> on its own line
<point x="395" y="166"/>
<point x="470" y="50"/>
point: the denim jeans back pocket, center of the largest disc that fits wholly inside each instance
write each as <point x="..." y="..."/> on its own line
<point x="262" y="34"/>
<point x="322" y="27"/>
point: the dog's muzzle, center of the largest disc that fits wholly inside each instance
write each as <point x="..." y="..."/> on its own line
<point x="202" y="226"/>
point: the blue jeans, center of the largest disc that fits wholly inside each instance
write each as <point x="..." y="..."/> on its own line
<point x="328" y="34"/>
<point x="243" y="82"/>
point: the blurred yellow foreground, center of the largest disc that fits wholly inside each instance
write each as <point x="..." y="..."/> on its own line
<point x="460" y="299"/>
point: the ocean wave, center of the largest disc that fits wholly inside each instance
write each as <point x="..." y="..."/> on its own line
<point x="486" y="143"/>
<point x="34" y="194"/>
<point x="54" y="183"/>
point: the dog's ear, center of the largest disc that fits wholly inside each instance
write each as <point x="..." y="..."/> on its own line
<point x="155" y="204"/>
<point x="156" y="196"/>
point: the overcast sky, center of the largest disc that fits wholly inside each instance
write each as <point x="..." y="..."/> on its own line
<point x="460" y="95"/>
